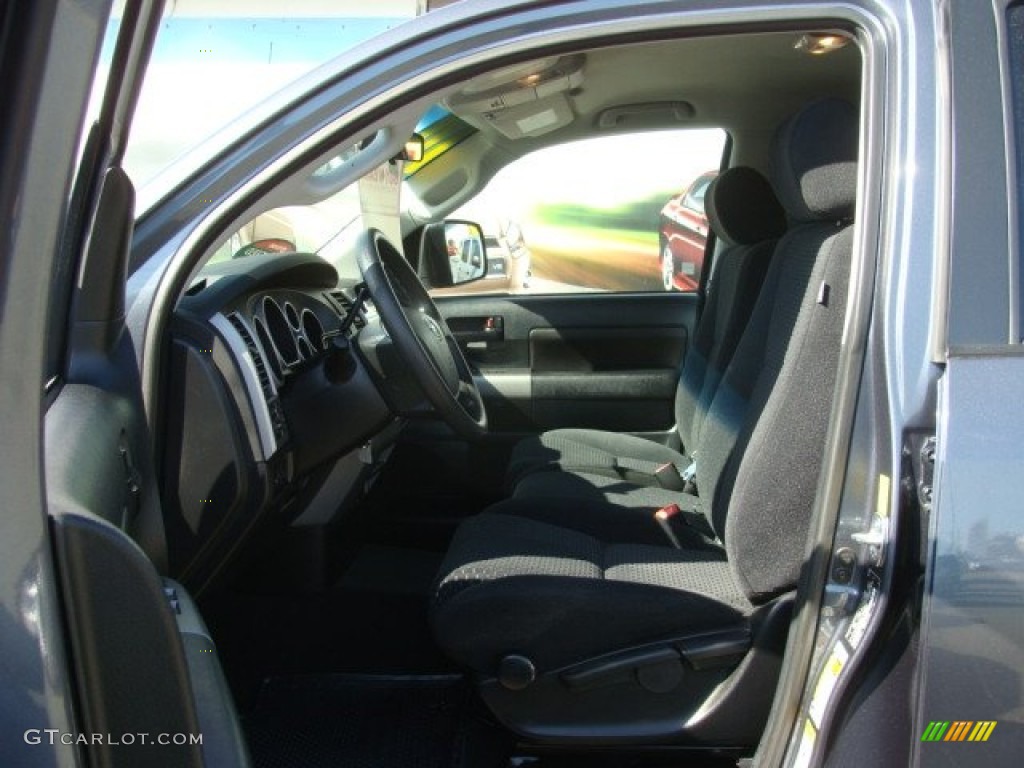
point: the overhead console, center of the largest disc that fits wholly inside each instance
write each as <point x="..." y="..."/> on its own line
<point x="525" y="100"/>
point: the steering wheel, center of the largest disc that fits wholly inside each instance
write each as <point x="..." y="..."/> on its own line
<point x="421" y="335"/>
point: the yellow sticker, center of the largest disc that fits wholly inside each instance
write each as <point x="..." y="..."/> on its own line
<point x="884" y="489"/>
<point x="806" y="751"/>
<point x="827" y="683"/>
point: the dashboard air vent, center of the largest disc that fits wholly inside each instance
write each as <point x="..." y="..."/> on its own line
<point x="344" y="305"/>
<point x="254" y="350"/>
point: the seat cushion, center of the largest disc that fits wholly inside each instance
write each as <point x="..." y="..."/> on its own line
<point x="613" y="522"/>
<point x="590" y="450"/>
<point x="587" y="486"/>
<point x="558" y="596"/>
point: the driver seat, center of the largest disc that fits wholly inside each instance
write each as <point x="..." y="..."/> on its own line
<point x="581" y="632"/>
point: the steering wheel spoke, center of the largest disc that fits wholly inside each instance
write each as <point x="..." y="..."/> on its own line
<point x="421" y="336"/>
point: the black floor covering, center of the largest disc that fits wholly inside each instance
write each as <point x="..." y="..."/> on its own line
<point x="358" y="720"/>
<point x="372" y="621"/>
<point x="349" y="675"/>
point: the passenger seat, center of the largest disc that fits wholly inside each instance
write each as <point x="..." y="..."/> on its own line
<point x="746" y="216"/>
<point x="572" y="623"/>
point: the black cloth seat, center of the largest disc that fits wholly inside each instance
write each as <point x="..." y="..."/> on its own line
<point x="594" y="488"/>
<point x="652" y="592"/>
<point x="614" y="522"/>
<point x="612" y="455"/>
<point x="571" y="613"/>
<point x="746" y="216"/>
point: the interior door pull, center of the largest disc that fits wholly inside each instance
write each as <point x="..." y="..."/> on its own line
<point x="476" y="329"/>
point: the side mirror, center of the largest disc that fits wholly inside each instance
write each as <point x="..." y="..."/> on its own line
<point x="452" y="253"/>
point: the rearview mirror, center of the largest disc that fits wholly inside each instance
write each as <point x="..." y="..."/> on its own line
<point x="412" y="152"/>
<point x="452" y="252"/>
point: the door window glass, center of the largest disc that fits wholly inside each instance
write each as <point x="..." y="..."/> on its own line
<point x="618" y="213"/>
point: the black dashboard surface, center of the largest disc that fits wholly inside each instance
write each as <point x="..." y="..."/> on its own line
<point x="264" y="390"/>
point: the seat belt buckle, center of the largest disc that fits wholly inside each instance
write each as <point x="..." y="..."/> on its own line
<point x="669" y="477"/>
<point x="664" y="518"/>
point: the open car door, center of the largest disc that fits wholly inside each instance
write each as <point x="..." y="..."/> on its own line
<point x="115" y="665"/>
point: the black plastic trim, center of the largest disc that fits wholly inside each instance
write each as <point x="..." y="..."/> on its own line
<point x="130" y="665"/>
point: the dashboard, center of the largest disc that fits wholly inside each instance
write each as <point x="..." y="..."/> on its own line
<point x="264" y="392"/>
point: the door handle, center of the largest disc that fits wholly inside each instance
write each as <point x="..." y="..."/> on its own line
<point x="467" y="330"/>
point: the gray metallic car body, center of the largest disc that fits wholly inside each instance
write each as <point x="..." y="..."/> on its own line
<point x="933" y="343"/>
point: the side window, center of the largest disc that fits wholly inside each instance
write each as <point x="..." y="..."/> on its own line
<point x="328" y="228"/>
<point x="620" y="213"/>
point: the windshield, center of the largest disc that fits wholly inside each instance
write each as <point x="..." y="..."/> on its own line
<point x="213" y="60"/>
<point x="324" y="228"/>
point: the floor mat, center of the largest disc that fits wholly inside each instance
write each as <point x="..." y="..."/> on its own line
<point x="395" y="570"/>
<point x="374" y="621"/>
<point x="358" y="721"/>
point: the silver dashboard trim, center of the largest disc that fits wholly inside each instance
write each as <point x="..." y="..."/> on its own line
<point x="247" y="367"/>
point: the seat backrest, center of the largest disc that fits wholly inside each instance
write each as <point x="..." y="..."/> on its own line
<point x="763" y="440"/>
<point x="747" y="217"/>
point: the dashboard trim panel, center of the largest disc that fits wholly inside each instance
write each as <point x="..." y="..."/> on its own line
<point x="250" y="376"/>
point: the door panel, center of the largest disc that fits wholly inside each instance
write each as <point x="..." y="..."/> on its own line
<point x="585" y="349"/>
<point x="129" y="628"/>
<point x="596" y="360"/>
<point x="975" y="573"/>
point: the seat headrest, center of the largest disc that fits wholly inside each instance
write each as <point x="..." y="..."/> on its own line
<point x="814" y="166"/>
<point x="742" y="208"/>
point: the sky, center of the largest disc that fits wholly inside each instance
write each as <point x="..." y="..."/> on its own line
<point x="213" y="60"/>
